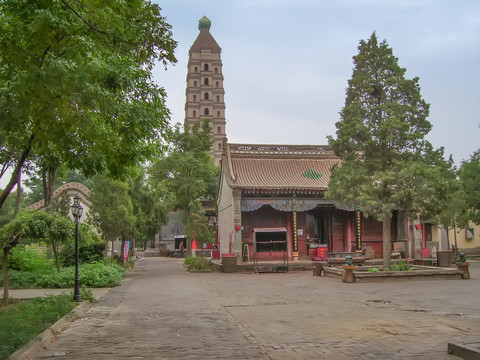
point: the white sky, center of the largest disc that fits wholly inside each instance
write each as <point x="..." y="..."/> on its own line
<point x="286" y="63"/>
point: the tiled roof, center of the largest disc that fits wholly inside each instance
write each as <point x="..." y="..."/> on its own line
<point x="205" y="41"/>
<point x="279" y="168"/>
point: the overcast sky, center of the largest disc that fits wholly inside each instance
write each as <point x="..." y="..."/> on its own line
<point x="286" y="63"/>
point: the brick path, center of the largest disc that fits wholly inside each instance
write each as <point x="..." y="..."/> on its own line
<point x="163" y="312"/>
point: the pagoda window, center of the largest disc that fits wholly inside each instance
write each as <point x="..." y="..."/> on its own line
<point x="205" y="67"/>
<point x="205" y="81"/>
<point x="207" y="112"/>
<point x="206" y="96"/>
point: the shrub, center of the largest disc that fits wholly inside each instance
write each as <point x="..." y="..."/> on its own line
<point x="91" y="248"/>
<point x="21" y="279"/>
<point x="188" y="260"/>
<point x="198" y="263"/>
<point x="400" y="266"/>
<point x="91" y="275"/>
<point x="30" y="259"/>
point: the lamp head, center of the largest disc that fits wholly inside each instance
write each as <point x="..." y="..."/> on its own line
<point x="77" y="209"/>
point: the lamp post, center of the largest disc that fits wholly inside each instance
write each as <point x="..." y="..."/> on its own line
<point x="77" y="211"/>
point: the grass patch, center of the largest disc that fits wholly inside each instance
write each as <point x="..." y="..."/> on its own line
<point x="22" y="321"/>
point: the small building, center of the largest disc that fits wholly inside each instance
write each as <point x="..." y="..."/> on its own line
<point x="271" y="202"/>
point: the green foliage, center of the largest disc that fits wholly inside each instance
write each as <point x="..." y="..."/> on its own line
<point x="381" y="140"/>
<point x="91" y="248"/>
<point x="91" y="275"/>
<point x="112" y="207"/>
<point x="400" y="266"/>
<point x="469" y="175"/>
<point x="86" y="294"/>
<point x="188" y="260"/>
<point x="150" y="213"/>
<point x="387" y="164"/>
<point x="199" y="229"/>
<point x="35" y="226"/>
<point x="197" y="263"/>
<point x="8" y="209"/>
<point x="77" y="87"/>
<point x="32" y="226"/>
<point x="30" y="259"/>
<point x="23" y="279"/>
<point x="188" y="175"/>
<point x="23" y="321"/>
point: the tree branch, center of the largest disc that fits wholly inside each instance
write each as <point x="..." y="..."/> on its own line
<point x="16" y="172"/>
<point x="83" y="20"/>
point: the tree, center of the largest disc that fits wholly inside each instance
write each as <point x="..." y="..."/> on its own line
<point x="386" y="164"/>
<point x="112" y="209"/>
<point x="7" y="211"/>
<point x="187" y="175"/>
<point x="33" y="226"/>
<point x="150" y="213"/>
<point x="199" y="228"/>
<point x="76" y="85"/>
<point x="469" y="175"/>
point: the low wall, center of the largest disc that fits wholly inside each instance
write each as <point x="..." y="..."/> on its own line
<point x="361" y="274"/>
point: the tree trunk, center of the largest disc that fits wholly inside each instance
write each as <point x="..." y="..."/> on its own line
<point x="387" y="239"/>
<point x="111" y="252"/>
<point x="16" y="173"/>
<point x="189" y="239"/>
<point x="18" y="201"/>
<point x="122" y="251"/>
<point x="5" y="277"/>
<point x="49" y="179"/>
<point x="55" y="253"/>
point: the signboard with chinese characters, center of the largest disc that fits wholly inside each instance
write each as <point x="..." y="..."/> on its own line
<point x="358" y="229"/>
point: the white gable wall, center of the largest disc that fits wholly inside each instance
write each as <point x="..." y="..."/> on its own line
<point x="226" y="226"/>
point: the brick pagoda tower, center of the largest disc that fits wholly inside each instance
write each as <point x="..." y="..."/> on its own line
<point x="205" y="93"/>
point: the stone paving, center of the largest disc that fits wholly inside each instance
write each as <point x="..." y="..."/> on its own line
<point x="163" y="312"/>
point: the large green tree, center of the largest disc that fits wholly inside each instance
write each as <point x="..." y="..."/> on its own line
<point x="150" y="213"/>
<point x="112" y="209"/>
<point x="30" y="227"/>
<point x="76" y="84"/>
<point x="469" y="175"/>
<point x="387" y="164"/>
<point x="187" y="176"/>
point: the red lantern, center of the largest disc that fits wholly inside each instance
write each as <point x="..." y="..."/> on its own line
<point x="237" y="227"/>
<point x="417" y="226"/>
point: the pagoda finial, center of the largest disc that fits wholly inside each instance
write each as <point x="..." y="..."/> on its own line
<point x="204" y="24"/>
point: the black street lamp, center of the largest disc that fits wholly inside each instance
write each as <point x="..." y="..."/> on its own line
<point x="77" y="211"/>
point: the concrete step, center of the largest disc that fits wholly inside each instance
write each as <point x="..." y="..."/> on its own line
<point x="470" y="351"/>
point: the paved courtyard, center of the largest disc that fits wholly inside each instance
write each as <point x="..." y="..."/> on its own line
<point x="163" y="312"/>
